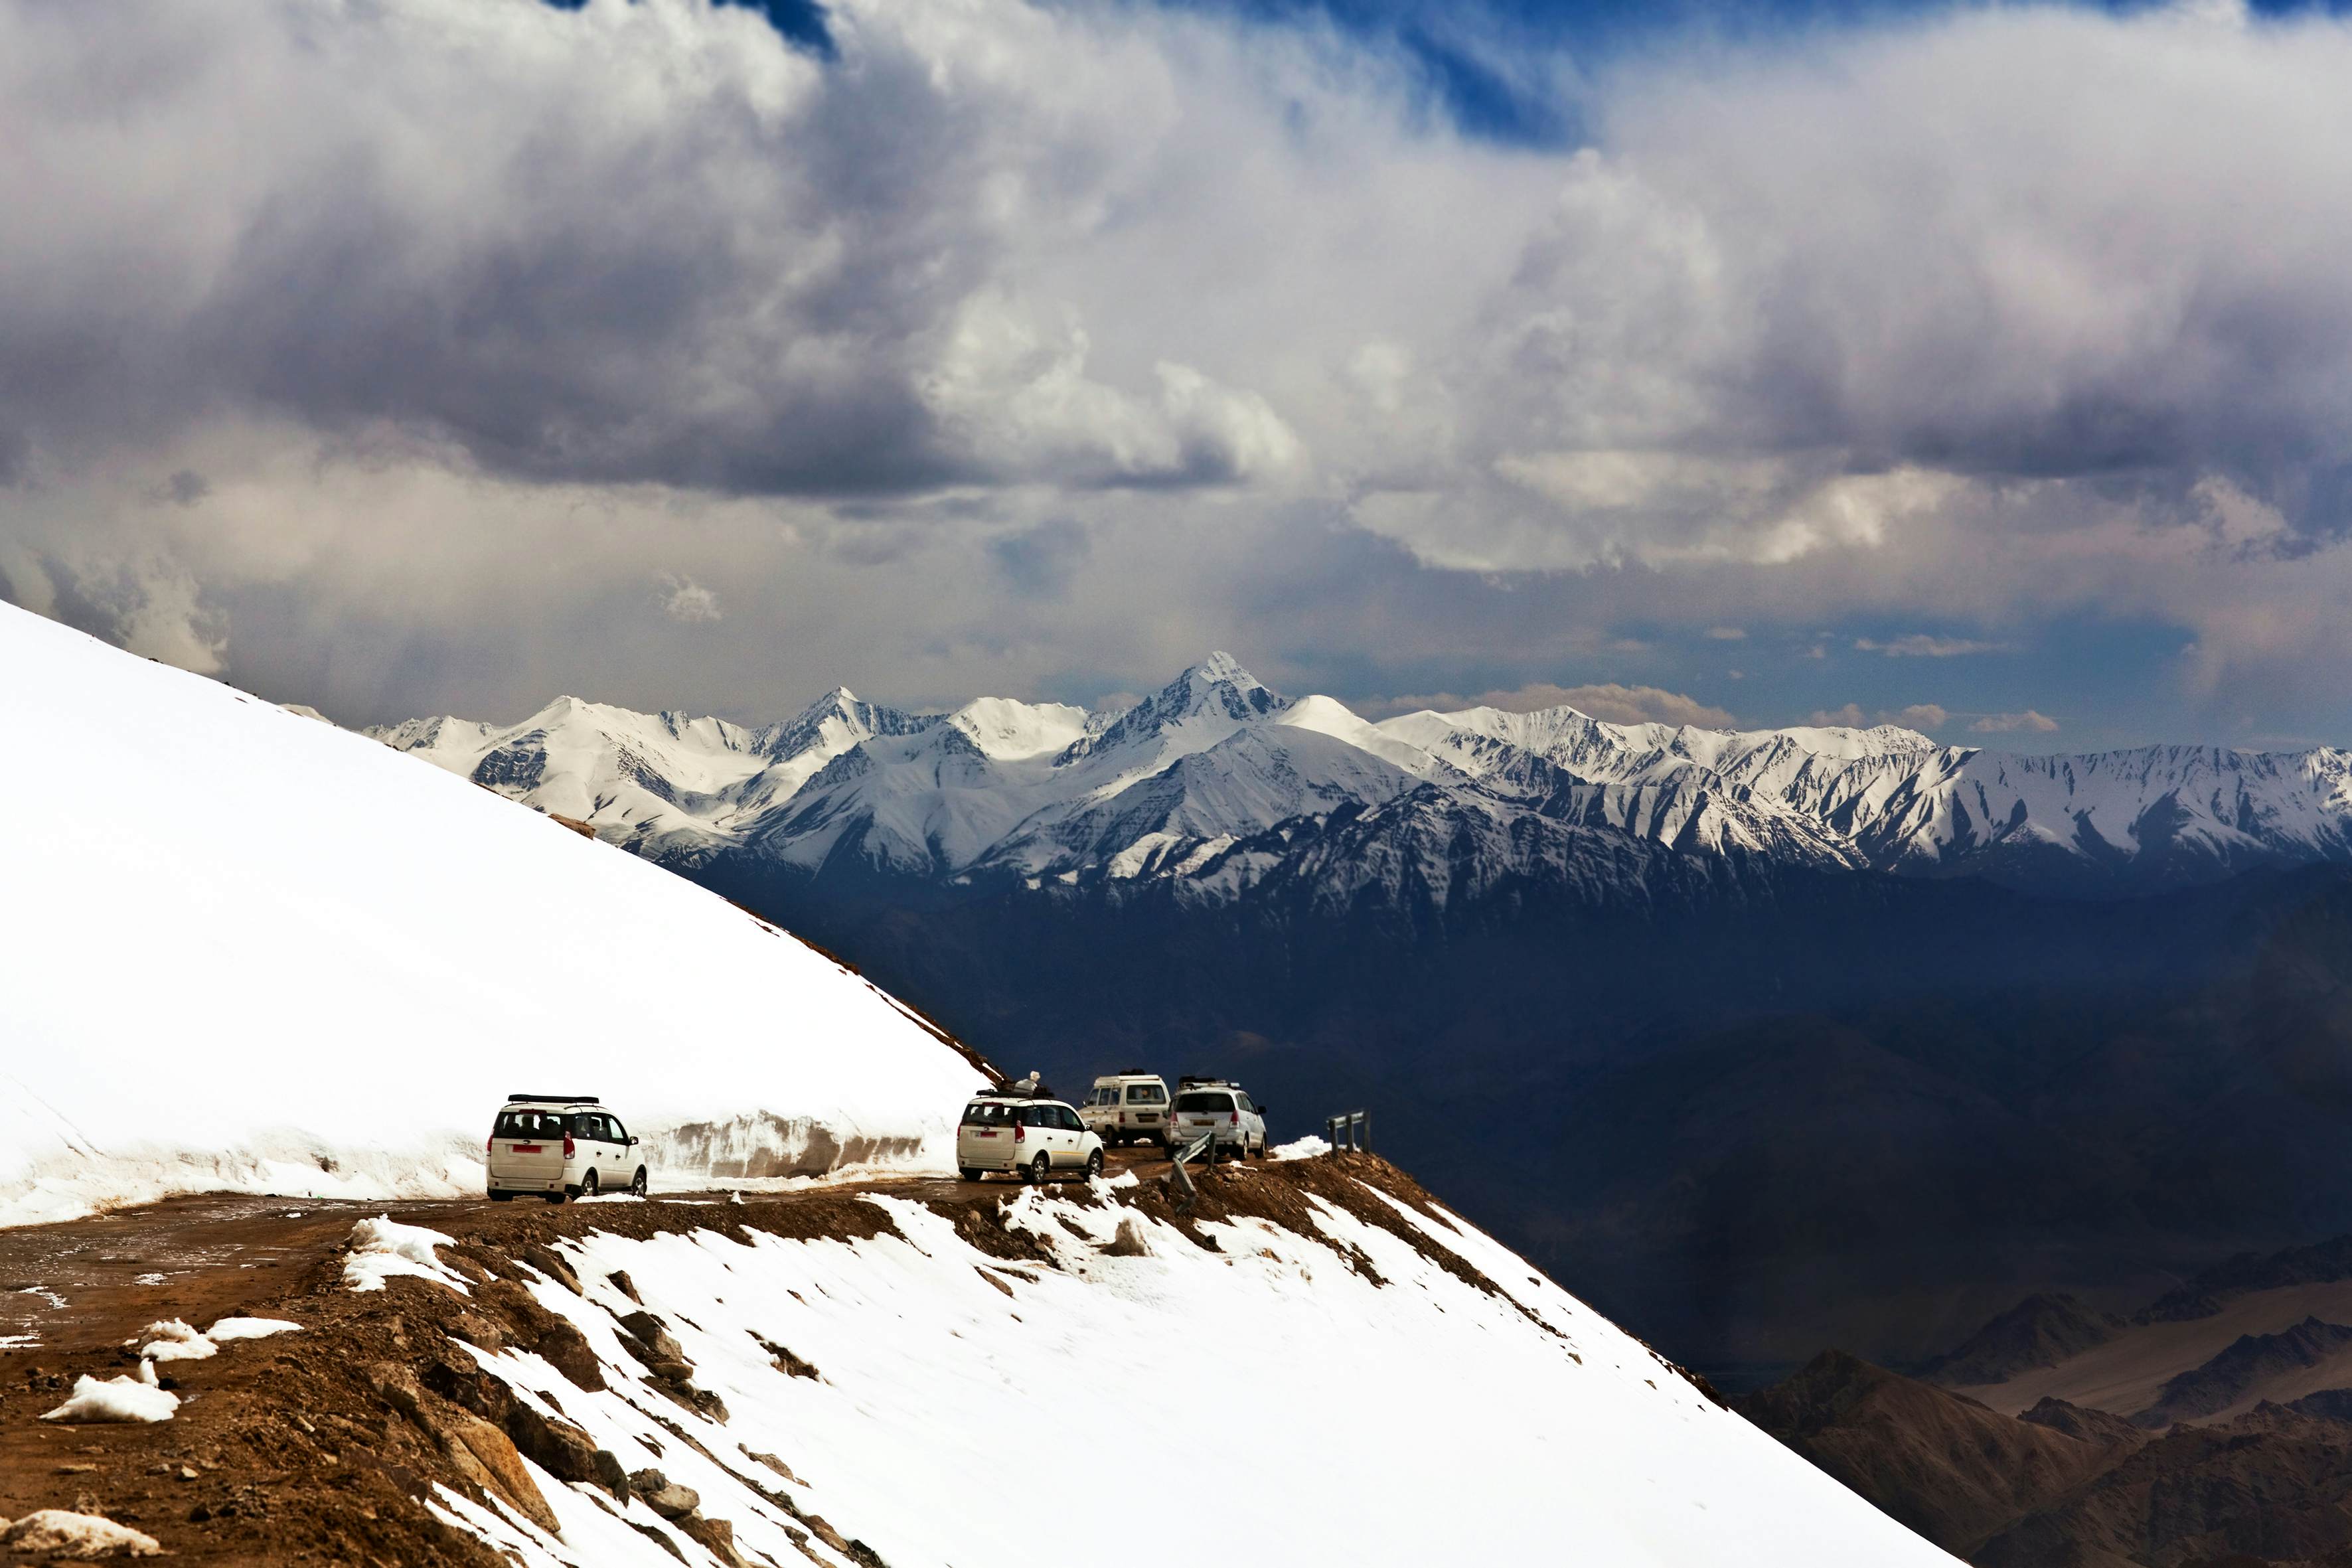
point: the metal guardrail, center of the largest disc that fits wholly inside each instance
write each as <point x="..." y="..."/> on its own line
<point x="1204" y="1145"/>
<point x="1341" y="1130"/>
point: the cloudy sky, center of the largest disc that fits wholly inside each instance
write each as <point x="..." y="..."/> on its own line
<point x="1984" y="369"/>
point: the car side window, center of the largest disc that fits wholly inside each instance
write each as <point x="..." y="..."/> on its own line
<point x="1144" y="1094"/>
<point x="1070" y="1120"/>
<point x="1246" y="1105"/>
<point x="620" y="1133"/>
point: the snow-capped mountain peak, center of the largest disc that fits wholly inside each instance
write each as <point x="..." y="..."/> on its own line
<point x="1217" y="782"/>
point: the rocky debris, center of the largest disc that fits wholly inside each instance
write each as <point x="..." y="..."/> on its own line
<point x="619" y="1279"/>
<point x="648" y="1339"/>
<point x="774" y="1464"/>
<point x="548" y="1261"/>
<point x="535" y="1328"/>
<point x="664" y="1495"/>
<point x="782" y="1359"/>
<point x="1131" y="1240"/>
<point x="2040" y="1330"/>
<point x="481" y="1452"/>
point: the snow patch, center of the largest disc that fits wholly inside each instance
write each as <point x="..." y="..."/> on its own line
<point x="230" y="1329"/>
<point x="172" y="1340"/>
<point x="383" y="1249"/>
<point x="1305" y="1148"/>
<point x="116" y="1399"/>
<point x="76" y="1537"/>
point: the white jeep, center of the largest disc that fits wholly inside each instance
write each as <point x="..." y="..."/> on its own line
<point x="559" y="1146"/>
<point x="1129" y="1107"/>
<point x="1025" y="1136"/>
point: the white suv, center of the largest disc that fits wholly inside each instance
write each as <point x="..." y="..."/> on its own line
<point x="558" y="1146"/>
<point x="1129" y="1106"/>
<point x="1215" y="1106"/>
<point x="1032" y="1138"/>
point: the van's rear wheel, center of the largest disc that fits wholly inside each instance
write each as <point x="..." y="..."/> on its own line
<point x="1038" y="1170"/>
<point x="1094" y="1164"/>
<point x="968" y="1173"/>
<point x="588" y="1185"/>
<point x="501" y="1197"/>
<point x="637" y="1182"/>
<point x="555" y="1198"/>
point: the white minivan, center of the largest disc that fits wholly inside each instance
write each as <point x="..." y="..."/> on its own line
<point x="1024" y="1136"/>
<point x="1218" y="1107"/>
<point x="1129" y="1106"/>
<point x="559" y="1146"/>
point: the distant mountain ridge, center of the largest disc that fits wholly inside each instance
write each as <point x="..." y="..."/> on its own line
<point x="1216" y="784"/>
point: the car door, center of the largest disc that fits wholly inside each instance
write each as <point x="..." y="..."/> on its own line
<point x="624" y="1159"/>
<point x="1074" y="1133"/>
<point x="608" y="1155"/>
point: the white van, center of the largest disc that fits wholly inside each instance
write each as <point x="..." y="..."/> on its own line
<point x="559" y="1146"/>
<point x="1217" y="1106"/>
<point x="1025" y="1136"/>
<point x="1129" y="1107"/>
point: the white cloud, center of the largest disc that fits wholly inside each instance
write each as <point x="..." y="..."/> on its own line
<point x="2028" y="721"/>
<point x="684" y="599"/>
<point x="1919" y="645"/>
<point x="1606" y="701"/>
<point x="1925" y="716"/>
<point x="1848" y="717"/>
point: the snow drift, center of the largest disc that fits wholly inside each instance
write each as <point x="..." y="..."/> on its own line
<point x="247" y="951"/>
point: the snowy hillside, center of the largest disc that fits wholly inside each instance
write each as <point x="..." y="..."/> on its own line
<point x="1216" y="782"/>
<point x="1314" y="1368"/>
<point x="320" y="967"/>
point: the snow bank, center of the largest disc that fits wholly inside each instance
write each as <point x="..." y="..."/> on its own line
<point x="76" y="1537"/>
<point x="1331" y="1419"/>
<point x="259" y="953"/>
<point x="229" y="1329"/>
<point x="381" y="1249"/>
<point x="1305" y="1148"/>
<point x="175" y="1341"/>
<point x="116" y="1399"/>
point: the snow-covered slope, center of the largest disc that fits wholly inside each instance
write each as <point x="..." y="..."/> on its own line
<point x="1348" y="1377"/>
<point x="246" y="950"/>
<point x="1165" y="790"/>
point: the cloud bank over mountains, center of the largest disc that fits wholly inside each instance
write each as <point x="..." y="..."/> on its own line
<point x="444" y="353"/>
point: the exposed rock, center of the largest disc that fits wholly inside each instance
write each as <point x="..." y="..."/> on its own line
<point x="548" y="1261"/>
<point x="717" y="1534"/>
<point x="658" y="1343"/>
<point x="664" y="1495"/>
<point x="2100" y="1426"/>
<point x="619" y="1279"/>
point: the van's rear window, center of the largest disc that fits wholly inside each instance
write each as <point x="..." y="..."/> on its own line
<point x="988" y="1113"/>
<point x="1197" y="1101"/>
<point x="1146" y="1094"/>
<point x="528" y="1125"/>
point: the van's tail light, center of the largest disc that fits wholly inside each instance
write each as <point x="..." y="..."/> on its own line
<point x="1236" y="1119"/>
<point x="1020" y="1133"/>
<point x="571" y="1149"/>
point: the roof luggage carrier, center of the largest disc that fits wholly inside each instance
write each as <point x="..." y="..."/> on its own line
<point x="1190" y="1080"/>
<point x="558" y="1098"/>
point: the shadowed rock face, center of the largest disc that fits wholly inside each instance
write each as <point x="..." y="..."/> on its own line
<point x="2273" y="1486"/>
<point x="2040" y="1330"/>
<point x="2233" y="1375"/>
<point x="1951" y="1469"/>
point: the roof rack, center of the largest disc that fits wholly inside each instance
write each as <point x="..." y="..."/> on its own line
<point x="559" y="1099"/>
<point x="1194" y="1080"/>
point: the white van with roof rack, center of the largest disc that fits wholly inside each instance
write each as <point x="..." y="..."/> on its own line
<point x="559" y="1146"/>
<point x="1218" y="1107"/>
<point x="1025" y="1135"/>
<point x="1129" y="1107"/>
